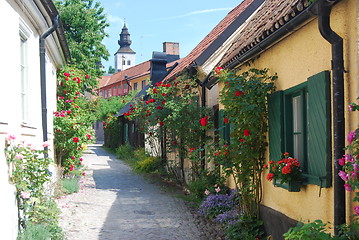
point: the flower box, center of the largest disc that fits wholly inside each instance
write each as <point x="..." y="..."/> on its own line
<point x="291" y="186"/>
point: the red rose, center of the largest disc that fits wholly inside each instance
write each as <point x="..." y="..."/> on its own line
<point x="239" y="93"/>
<point x="72" y="168"/>
<point x="75" y="139"/>
<point x="246" y="132"/>
<point x="204" y="121"/>
<point x="191" y="150"/>
<point x="225" y="120"/>
<point x="161" y="123"/>
<point x="218" y="70"/>
<point x="159" y="107"/>
<point x="87" y="76"/>
<point x="155" y="90"/>
<point x="67" y="74"/>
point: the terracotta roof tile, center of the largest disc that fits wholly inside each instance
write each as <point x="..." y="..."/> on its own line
<point x="214" y="34"/>
<point x="272" y="15"/>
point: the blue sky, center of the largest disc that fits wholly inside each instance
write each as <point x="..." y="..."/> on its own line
<point x="151" y="23"/>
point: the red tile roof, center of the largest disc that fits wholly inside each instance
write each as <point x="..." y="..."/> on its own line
<point x="213" y="35"/>
<point x="272" y="15"/>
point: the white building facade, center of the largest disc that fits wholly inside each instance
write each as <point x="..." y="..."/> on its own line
<point x="23" y="22"/>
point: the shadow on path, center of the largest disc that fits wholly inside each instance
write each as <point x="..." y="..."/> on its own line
<point x="139" y="211"/>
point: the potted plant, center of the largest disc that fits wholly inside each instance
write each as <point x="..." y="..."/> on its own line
<point x="285" y="173"/>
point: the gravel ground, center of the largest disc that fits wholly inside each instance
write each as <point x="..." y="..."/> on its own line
<point x="115" y="204"/>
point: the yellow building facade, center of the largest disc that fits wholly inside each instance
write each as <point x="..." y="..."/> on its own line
<point x="295" y="59"/>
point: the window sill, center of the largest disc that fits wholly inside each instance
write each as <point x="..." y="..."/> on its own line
<point x="293" y="186"/>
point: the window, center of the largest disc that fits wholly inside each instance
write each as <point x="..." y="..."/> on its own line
<point x="135" y="86"/>
<point x="24" y="79"/>
<point x="299" y="123"/>
<point x="224" y="129"/>
<point x="123" y="62"/>
<point x="143" y="84"/>
<point x="128" y="62"/>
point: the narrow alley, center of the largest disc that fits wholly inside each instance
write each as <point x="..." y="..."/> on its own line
<point x="114" y="203"/>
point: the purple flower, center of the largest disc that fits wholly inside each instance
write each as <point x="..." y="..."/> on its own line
<point x="343" y="175"/>
<point x="351" y="137"/>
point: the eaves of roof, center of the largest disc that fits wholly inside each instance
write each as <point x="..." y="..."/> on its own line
<point x="273" y="21"/>
<point x="52" y="12"/>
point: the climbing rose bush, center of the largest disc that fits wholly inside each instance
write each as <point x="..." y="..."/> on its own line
<point x="73" y="120"/>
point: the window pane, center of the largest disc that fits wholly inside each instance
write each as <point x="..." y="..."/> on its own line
<point x="298" y="148"/>
<point x="297" y="118"/>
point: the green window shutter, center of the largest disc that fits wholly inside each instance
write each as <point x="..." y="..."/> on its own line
<point x="319" y="130"/>
<point x="276" y="125"/>
<point x="223" y="128"/>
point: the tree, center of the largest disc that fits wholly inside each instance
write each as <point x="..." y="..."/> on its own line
<point x="111" y="70"/>
<point x="84" y="24"/>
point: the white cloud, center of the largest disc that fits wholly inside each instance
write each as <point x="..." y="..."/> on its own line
<point x="193" y="13"/>
<point x="114" y="19"/>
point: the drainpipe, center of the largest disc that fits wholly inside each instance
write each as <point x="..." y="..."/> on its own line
<point x="43" y="77"/>
<point x="324" y="9"/>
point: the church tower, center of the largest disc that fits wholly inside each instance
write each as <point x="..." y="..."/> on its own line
<point x="125" y="57"/>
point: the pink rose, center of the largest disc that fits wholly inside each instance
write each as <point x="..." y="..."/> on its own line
<point x="25" y="194"/>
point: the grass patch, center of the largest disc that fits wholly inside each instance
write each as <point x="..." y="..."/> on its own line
<point x="70" y="185"/>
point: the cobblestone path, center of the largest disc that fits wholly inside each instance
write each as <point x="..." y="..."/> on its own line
<point x="115" y="204"/>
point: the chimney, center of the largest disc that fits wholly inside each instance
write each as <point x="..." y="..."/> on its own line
<point x="171" y="48"/>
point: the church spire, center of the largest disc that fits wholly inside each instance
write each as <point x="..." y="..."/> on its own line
<point x="125" y="56"/>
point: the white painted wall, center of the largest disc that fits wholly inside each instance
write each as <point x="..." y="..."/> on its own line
<point x="16" y="15"/>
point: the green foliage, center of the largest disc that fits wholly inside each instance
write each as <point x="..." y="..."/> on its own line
<point x="70" y="185"/>
<point x="148" y="165"/>
<point x="125" y="152"/>
<point x="246" y="227"/>
<point x="208" y="181"/>
<point x="111" y="70"/>
<point x="73" y="120"/>
<point x="30" y="174"/>
<point x="245" y="99"/>
<point x="84" y="24"/>
<point x="35" y="231"/>
<point x="173" y="112"/>
<point x="308" y="231"/>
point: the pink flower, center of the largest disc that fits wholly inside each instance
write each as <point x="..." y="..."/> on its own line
<point x="10" y="137"/>
<point x="217" y="190"/>
<point x="72" y="157"/>
<point x="343" y="175"/>
<point x="19" y="156"/>
<point x="351" y="137"/>
<point x="80" y="159"/>
<point x="72" y="168"/>
<point x="348" y="158"/>
<point x="351" y="107"/>
<point x="355" y="167"/>
<point x="341" y="161"/>
<point x="67" y="74"/>
<point x="207" y="192"/>
<point x="83" y="174"/>
<point x="348" y="187"/>
<point x="45" y="144"/>
<point x="356" y="210"/>
<point x="87" y="76"/>
<point x="25" y="194"/>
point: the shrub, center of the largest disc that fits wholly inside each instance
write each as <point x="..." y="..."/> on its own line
<point x="308" y="231"/>
<point x="35" y="231"/>
<point x="70" y="185"/>
<point x="243" y="227"/>
<point x="147" y="165"/>
<point x="125" y="152"/>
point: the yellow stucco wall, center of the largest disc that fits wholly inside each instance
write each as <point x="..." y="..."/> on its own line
<point x="294" y="59"/>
